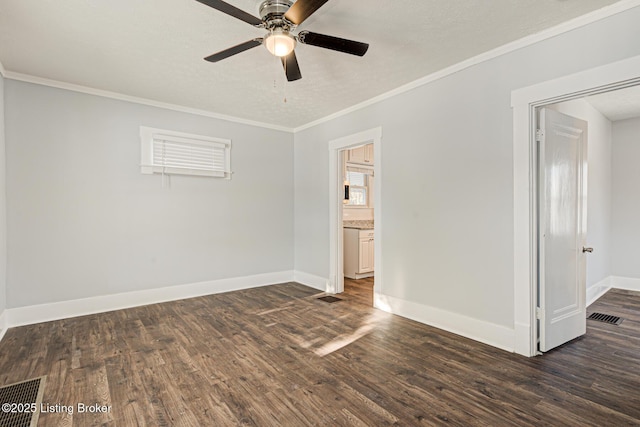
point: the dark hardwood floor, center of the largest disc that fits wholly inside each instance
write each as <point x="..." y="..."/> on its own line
<point x="360" y="291"/>
<point x="277" y="356"/>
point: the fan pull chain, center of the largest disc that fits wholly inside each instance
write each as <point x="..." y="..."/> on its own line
<point x="284" y="86"/>
<point x="275" y="72"/>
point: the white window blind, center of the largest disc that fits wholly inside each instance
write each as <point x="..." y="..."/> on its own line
<point x="356" y="178"/>
<point x="367" y="170"/>
<point x="169" y="152"/>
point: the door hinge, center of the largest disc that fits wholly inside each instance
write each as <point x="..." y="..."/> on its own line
<point x="539" y="313"/>
<point x="539" y="135"/>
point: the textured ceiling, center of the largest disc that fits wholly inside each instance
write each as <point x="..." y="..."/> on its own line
<point x="154" y="48"/>
<point x="618" y="104"/>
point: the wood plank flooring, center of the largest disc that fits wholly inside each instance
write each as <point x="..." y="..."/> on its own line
<point x="277" y="356"/>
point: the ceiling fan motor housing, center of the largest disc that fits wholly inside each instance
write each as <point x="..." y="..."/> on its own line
<point x="272" y="11"/>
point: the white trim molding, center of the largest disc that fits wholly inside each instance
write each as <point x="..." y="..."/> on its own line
<point x="489" y="333"/>
<point x="80" y="307"/>
<point x="137" y="100"/>
<point x="524" y="102"/>
<point x="597" y="290"/>
<point x="3" y="324"/>
<point x="627" y="283"/>
<point x="522" y="331"/>
<point x="311" y="280"/>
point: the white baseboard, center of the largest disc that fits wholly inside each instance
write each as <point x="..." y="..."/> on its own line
<point x="81" y="307"/>
<point x="311" y="280"/>
<point x="478" y="330"/>
<point x="617" y="282"/>
<point x="3" y="324"/>
<point x="628" y="283"/>
<point x="596" y="290"/>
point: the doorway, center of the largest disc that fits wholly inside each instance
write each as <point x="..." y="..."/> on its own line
<point x="604" y="255"/>
<point x="358" y="223"/>
<point x="525" y="102"/>
<point x="337" y="151"/>
<point x="610" y="223"/>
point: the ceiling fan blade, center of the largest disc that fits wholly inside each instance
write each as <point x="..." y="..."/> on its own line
<point x="291" y="68"/>
<point x="333" y="43"/>
<point x="233" y="11"/>
<point x="234" y="50"/>
<point x="302" y="9"/>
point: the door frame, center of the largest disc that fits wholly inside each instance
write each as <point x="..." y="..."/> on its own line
<point x="337" y="148"/>
<point x="524" y="102"/>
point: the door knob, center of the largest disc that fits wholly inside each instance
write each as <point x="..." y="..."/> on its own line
<point x="587" y="249"/>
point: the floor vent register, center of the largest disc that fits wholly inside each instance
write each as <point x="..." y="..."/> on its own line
<point x="329" y="299"/>
<point x="605" y="318"/>
<point x="20" y="403"/>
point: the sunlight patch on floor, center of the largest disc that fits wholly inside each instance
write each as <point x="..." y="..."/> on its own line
<point x="346" y="339"/>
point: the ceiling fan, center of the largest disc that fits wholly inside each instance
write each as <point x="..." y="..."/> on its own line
<point x="280" y="18"/>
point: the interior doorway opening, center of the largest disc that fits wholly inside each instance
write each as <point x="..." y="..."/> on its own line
<point x="358" y="225"/>
<point x="611" y="122"/>
<point x="525" y="102"/>
<point x="339" y="191"/>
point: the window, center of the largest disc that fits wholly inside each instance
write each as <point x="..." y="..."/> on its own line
<point x="170" y="152"/>
<point x="357" y="188"/>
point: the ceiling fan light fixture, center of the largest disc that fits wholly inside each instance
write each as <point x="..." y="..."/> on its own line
<point x="279" y="18"/>
<point x="280" y="43"/>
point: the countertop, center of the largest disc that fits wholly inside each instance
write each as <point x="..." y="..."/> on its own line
<point x="359" y="224"/>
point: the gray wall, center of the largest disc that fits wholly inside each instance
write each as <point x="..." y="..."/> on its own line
<point x="83" y="221"/>
<point x="626" y="199"/>
<point x="599" y="182"/>
<point x="3" y="207"/>
<point x="447" y="186"/>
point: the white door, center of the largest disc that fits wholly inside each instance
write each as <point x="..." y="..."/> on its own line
<point x="562" y="228"/>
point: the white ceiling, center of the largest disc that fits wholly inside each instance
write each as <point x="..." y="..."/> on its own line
<point x="153" y="49"/>
<point x="618" y="104"/>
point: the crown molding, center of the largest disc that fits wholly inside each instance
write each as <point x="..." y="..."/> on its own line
<point x="564" y="27"/>
<point x="137" y="100"/>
